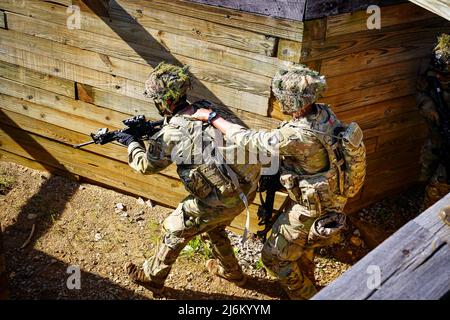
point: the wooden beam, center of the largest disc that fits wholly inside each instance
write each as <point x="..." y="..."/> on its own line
<point x="412" y="264"/>
<point x="285" y="9"/>
<point x="2" y="20"/>
<point x="37" y="79"/>
<point x="390" y="16"/>
<point x="279" y="28"/>
<point x="439" y="7"/>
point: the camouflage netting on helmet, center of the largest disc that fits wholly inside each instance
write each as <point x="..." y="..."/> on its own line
<point x="296" y="86"/>
<point x="167" y="83"/>
<point x="441" y="59"/>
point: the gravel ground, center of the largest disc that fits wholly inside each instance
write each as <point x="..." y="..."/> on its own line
<point x="51" y="223"/>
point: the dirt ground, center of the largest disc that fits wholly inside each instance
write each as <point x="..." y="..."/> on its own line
<point x="98" y="230"/>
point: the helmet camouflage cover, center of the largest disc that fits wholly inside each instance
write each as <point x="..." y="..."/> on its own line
<point x="166" y="85"/>
<point x="296" y="86"/>
<point x="441" y="57"/>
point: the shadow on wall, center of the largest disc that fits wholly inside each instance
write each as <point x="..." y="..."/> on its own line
<point x="36" y="151"/>
<point x="101" y="8"/>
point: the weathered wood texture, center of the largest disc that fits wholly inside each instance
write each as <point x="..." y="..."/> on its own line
<point x="299" y="10"/>
<point x="413" y="264"/>
<point x="58" y="84"/>
<point x="289" y="9"/>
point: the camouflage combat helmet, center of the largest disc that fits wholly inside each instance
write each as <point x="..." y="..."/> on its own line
<point x="441" y="56"/>
<point x="296" y="86"/>
<point x="166" y="85"/>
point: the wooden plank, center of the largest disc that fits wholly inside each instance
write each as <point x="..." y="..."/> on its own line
<point x="282" y="28"/>
<point x="164" y="22"/>
<point x="324" y="8"/>
<point x="62" y="2"/>
<point x="49" y="123"/>
<point x="147" y="47"/>
<point x="383" y="162"/>
<point x="364" y="79"/>
<point x="365" y="116"/>
<point x="390" y="16"/>
<point x="2" y="20"/>
<point x="289" y="50"/>
<point x="131" y="70"/>
<point x="415" y="34"/>
<point x="371" y="95"/>
<point x="36" y="79"/>
<point x="392" y="140"/>
<point x="290" y="9"/>
<point x="413" y="263"/>
<point x="92" y="166"/>
<point x="367" y="59"/>
<point x="78" y="108"/>
<point x="404" y="121"/>
<point x="124" y="105"/>
<point x="391" y="180"/>
<point x="127" y="87"/>
<point x="439" y="7"/>
<point x="191" y="27"/>
<point x="213" y="92"/>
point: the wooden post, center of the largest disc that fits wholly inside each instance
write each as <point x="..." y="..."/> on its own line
<point x="4" y="291"/>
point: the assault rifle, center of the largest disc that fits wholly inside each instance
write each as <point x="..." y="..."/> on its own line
<point x="270" y="185"/>
<point x="444" y="123"/>
<point x="137" y="126"/>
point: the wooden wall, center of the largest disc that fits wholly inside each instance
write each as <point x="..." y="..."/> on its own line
<point x="371" y="77"/>
<point x="57" y="84"/>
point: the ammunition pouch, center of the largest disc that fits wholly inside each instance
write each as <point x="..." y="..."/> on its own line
<point x="202" y="180"/>
<point x="312" y="191"/>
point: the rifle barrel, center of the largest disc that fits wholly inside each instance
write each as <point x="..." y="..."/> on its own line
<point x="78" y="146"/>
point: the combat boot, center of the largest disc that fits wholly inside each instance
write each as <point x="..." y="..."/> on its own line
<point x="138" y="276"/>
<point x="237" y="277"/>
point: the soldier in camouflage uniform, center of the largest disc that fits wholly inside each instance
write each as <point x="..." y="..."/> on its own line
<point x="218" y="191"/>
<point x="313" y="173"/>
<point x="435" y="154"/>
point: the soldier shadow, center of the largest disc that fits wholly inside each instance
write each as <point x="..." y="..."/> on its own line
<point x="47" y="204"/>
<point x="102" y="10"/>
<point x="38" y="153"/>
<point x="267" y="287"/>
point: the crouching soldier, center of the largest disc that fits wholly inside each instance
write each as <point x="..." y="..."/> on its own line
<point x="218" y="191"/>
<point x="433" y="100"/>
<point x="322" y="164"/>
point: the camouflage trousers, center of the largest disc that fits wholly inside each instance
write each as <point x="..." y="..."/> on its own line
<point x="191" y="218"/>
<point x="437" y="188"/>
<point x="289" y="251"/>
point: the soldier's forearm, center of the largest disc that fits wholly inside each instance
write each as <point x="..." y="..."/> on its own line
<point x="221" y="124"/>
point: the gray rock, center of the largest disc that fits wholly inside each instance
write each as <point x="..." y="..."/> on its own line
<point x="120" y="206"/>
<point x="32" y="216"/>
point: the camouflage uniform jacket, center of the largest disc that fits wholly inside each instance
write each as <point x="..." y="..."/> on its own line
<point x="300" y="149"/>
<point x="182" y="140"/>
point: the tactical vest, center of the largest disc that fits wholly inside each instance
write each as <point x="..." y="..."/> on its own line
<point x="329" y="190"/>
<point x="204" y="170"/>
